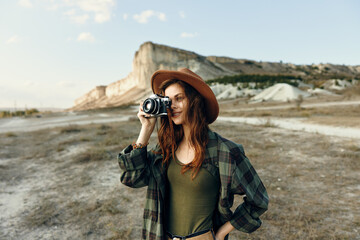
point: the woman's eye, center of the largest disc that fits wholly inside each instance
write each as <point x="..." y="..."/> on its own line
<point x="179" y="99"/>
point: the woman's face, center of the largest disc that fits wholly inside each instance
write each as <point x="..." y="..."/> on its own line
<point x="179" y="103"/>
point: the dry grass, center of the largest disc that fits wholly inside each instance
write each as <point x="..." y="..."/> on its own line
<point x="93" y="154"/>
<point x="86" y="215"/>
<point x="47" y="213"/>
<point x="344" y="121"/>
<point x="347" y="116"/>
<point x="338" y="111"/>
<point x="70" y="129"/>
<point x="352" y="93"/>
<point x="10" y="134"/>
<point x="267" y="123"/>
<point x="73" y="191"/>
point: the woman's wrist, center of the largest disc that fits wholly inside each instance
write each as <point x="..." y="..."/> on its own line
<point x="144" y="135"/>
<point x="224" y="230"/>
<point x="220" y="235"/>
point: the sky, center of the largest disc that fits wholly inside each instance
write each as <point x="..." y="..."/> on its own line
<point x="54" y="51"/>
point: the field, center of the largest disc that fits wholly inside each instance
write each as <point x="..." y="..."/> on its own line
<point x="63" y="182"/>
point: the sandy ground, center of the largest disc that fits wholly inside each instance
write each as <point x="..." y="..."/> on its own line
<point x="28" y="125"/>
<point x="60" y="178"/>
<point x="307" y="105"/>
<point x="17" y="124"/>
<point x="300" y="124"/>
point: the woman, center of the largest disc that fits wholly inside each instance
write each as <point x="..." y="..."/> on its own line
<point x="193" y="173"/>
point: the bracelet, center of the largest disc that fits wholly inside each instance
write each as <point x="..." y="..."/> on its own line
<point x="138" y="145"/>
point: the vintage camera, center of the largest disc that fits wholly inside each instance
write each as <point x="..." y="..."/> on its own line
<point x="156" y="105"/>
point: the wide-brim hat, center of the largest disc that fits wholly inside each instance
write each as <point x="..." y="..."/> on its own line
<point x="194" y="80"/>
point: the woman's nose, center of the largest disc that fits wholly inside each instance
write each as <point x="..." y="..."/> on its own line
<point x="173" y="105"/>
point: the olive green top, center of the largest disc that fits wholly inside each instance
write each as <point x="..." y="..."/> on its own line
<point x="190" y="203"/>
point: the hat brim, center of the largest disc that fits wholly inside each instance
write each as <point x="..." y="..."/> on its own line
<point x="211" y="104"/>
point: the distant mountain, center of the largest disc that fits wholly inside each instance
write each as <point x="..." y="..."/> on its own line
<point x="151" y="57"/>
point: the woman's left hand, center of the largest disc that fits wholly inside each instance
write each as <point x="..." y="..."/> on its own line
<point x="223" y="231"/>
<point x="218" y="237"/>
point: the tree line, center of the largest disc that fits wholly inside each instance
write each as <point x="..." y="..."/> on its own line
<point x="27" y="112"/>
<point x="261" y="81"/>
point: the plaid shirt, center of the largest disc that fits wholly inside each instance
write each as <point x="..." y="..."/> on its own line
<point x="224" y="159"/>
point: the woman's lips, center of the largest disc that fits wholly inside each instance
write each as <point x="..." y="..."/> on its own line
<point x="175" y="114"/>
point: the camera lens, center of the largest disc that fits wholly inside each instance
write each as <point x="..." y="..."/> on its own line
<point x="149" y="106"/>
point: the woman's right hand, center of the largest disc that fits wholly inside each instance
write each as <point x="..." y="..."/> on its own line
<point x="145" y="119"/>
<point x="147" y="126"/>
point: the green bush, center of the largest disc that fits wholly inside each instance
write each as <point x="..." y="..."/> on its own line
<point x="261" y="81"/>
<point x="27" y="112"/>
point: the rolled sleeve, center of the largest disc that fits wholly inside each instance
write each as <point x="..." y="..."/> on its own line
<point x="246" y="181"/>
<point x="132" y="159"/>
<point x="134" y="163"/>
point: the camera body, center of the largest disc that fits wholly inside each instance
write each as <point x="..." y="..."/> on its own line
<point x="156" y="105"/>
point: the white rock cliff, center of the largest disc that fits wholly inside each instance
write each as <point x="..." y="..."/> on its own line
<point x="151" y="57"/>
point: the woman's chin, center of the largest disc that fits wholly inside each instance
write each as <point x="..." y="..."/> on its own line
<point x="176" y="121"/>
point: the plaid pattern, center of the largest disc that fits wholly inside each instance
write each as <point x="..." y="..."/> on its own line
<point x="224" y="159"/>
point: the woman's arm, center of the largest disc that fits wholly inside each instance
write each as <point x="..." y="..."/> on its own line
<point x="134" y="159"/>
<point x="245" y="181"/>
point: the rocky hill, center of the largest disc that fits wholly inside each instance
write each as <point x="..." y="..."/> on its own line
<point x="151" y="57"/>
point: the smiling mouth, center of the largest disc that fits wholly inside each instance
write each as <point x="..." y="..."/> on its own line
<point x="175" y="114"/>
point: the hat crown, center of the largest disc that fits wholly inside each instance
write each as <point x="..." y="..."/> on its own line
<point x="188" y="71"/>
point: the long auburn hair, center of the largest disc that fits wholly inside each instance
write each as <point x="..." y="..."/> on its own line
<point x="170" y="135"/>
